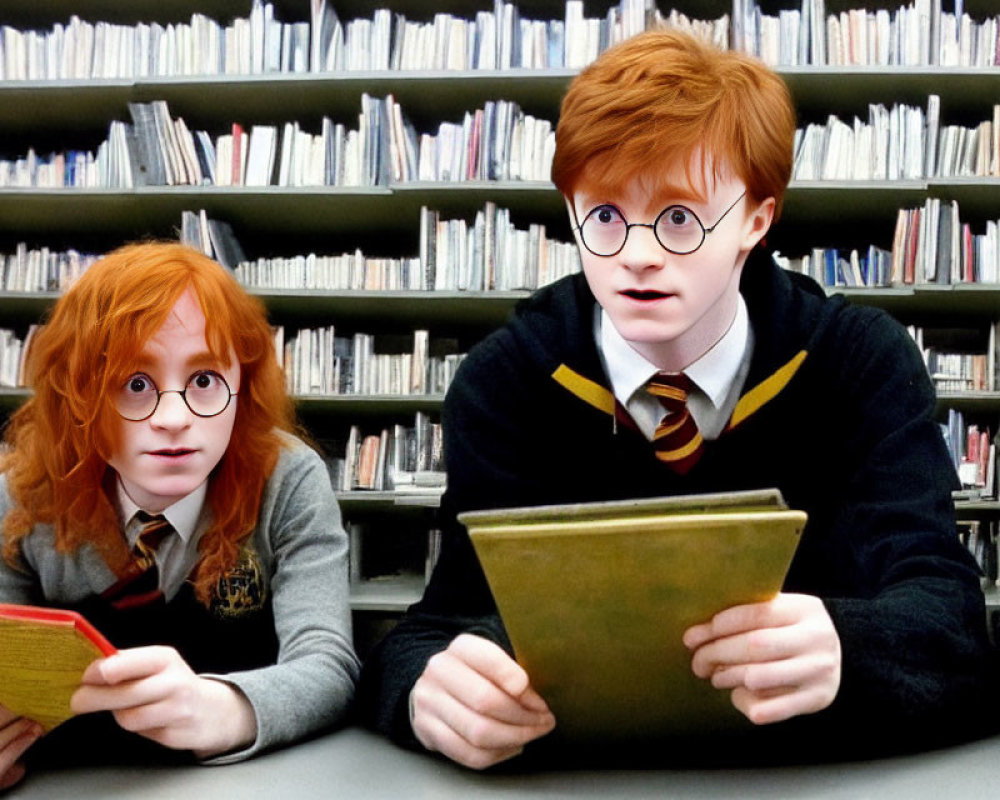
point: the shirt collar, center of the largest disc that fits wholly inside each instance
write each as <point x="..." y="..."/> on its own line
<point x="183" y="515"/>
<point x="712" y="373"/>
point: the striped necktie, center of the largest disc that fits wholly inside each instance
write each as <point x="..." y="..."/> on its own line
<point x="140" y="583"/>
<point x="676" y="441"/>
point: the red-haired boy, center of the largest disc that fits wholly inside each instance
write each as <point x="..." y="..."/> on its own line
<point x="673" y="158"/>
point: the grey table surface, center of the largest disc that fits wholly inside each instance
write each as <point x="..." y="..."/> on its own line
<point x="355" y="763"/>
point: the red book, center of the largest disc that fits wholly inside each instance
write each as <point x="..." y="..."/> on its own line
<point x="43" y="654"/>
<point x="237" y="168"/>
<point x="909" y="263"/>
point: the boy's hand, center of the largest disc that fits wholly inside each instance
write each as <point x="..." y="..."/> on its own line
<point x="780" y="658"/>
<point x="474" y="704"/>
<point x="17" y="734"/>
<point x="152" y="692"/>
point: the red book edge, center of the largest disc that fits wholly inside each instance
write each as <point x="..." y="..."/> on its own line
<point x="58" y="616"/>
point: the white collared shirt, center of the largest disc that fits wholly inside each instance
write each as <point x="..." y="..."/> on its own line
<point x="176" y="555"/>
<point x="718" y="375"/>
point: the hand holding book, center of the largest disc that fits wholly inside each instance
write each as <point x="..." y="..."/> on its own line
<point x="778" y="659"/>
<point x="475" y="704"/>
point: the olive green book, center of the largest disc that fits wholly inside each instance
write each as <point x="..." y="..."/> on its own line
<point x="596" y="596"/>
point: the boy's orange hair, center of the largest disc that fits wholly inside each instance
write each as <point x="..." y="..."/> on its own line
<point x="665" y="97"/>
<point x="60" y="440"/>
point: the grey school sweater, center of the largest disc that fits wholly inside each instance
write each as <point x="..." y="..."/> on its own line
<point x="301" y="549"/>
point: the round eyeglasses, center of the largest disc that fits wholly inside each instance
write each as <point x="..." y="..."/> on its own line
<point x="677" y="228"/>
<point x="206" y="394"/>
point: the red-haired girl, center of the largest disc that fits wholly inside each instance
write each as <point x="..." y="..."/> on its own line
<point x="159" y="405"/>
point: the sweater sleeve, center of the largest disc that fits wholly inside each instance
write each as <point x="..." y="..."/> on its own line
<point x="312" y="684"/>
<point x="913" y="634"/>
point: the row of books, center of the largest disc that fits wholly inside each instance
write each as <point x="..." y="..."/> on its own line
<point x="920" y="33"/>
<point x="956" y="369"/>
<point x="488" y="254"/>
<point x="834" y="268"/>
<point x="319" y="362"/>
<point x="41" y="269"/>
<point x="260" y="43"/>
<point x="492" y="40"/>
<point x="398" y="458"/>
<point x="898" y="144"/>
<point x="974" y="454"/>
<point x="916" y="34"/>
<point x="83" y="50"/>
<point x="497" y="142"/>
<point x="12" y="350"/>
<point x="931" y="245"/>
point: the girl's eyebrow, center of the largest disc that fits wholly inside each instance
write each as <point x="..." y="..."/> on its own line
<point x="204" y="357"/>
<point x="144" y="362"/>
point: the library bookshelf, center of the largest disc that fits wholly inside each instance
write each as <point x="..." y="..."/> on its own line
<point x="383" y="219"/>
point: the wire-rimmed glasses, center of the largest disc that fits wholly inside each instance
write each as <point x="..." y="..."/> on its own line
<point x="206" y="394"/>
<point x="677" y="228"/>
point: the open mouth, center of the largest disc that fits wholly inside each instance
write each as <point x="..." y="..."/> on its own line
<point x="645" y="294"/>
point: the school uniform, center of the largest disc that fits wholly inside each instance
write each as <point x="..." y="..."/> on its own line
<point x="278" y="627"/>
<point x="833" y="407"/>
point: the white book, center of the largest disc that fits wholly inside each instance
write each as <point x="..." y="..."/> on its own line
<point x="274" y="42"/>
<point x="285" y="162"/>
<point x="224" y="160"/>
<point x="486" y="33"/>
<point x="914" y="142"/>
<point x="931" y="135"/>
<point x="256" y="37"/>
<point x="189" y="156"/>
<point x="930" y="221"/>
<point x="205" y="242"/>
<point x="166" y="143"/>
<point x="260" y="155"/>
<point x="955" y="243"/>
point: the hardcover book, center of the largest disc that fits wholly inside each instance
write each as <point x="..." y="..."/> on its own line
<point x="43" y="654"/>
<point x="596" y="597"/>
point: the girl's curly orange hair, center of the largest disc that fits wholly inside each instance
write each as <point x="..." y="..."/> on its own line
<point x="59" y="442"/>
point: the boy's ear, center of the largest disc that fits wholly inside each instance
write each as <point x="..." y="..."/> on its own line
<point x="758" y="223"/>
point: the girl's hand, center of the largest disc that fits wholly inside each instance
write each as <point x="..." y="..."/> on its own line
<point x="153" y="692"/>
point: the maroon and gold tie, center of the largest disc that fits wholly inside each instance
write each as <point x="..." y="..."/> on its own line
<point x="676" y="441"/>
<point x="139" y="585"/>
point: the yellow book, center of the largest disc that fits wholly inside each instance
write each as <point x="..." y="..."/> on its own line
<point x="43" y="654"/>
<point x="596" y="596"/>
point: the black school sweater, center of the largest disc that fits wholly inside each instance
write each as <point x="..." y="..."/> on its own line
<point x="835" y="412"/>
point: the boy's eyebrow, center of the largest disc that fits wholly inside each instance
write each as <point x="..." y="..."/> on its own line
<point x="667" y="194"/>
<point x="687" y="194"/>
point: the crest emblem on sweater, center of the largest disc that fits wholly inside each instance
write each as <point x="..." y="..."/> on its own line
<point x="242" y="590"/>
